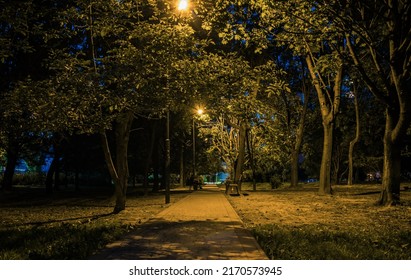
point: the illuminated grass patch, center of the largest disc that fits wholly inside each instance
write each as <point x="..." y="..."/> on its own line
<point x="310" y="243"/>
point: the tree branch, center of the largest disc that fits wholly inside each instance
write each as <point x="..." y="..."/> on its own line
<point x="370" y="83"/>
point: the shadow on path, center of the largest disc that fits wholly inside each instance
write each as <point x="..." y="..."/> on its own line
<point x="185" y="240"/>
<point x="203" y="225"/>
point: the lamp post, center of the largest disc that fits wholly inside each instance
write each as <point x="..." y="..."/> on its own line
<point x="168" y="159"/>
<point x="199" y="111"/>
<point x="181" y="6"/>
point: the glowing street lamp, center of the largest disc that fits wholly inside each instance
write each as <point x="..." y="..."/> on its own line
<point x="182" y="5"/>
<point x="200" y="111"/>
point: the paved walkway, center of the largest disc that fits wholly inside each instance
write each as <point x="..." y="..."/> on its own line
<point x="201" y="226"/>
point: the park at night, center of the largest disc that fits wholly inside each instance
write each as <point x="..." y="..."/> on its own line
<point x="205" y="130"/>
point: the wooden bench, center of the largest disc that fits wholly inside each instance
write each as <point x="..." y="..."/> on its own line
<point x="230" y="186"/>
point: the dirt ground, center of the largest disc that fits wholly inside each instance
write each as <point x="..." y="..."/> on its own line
<point x="350" y="208"/>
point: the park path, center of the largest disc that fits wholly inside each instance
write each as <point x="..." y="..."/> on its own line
<point x="201" y="226"/>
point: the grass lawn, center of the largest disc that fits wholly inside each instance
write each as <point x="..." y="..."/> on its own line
<point x="300" y="224"/>
<point x="68" y="224"/>
<point x="288" y="223"/>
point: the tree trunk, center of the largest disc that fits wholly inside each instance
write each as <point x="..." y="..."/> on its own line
<point x="336" y="160"/>
<point x="12" y="156"/>
<point x="241" y="154"/>
<point x="295" y="153"/>
<point x="390" y="194"/>
<point x="297" y="146"/>
<point x="329" y="106"/>
<point x="149" y="159"/>
<point x="50" y="175"/>
<point x="119" y="168"/>
<point x="52" y="178"/>
<point x="325" y="171"/>
<point x="395" y="92"/>
<point x="354" y="141"/>
<point x="250" y="151"/>
<point x="122" y="136"/>
<point x="294" y="169"/>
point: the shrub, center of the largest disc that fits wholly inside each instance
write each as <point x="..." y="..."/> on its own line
<point x="29" y="179"/>
<point x="275" y="182"/>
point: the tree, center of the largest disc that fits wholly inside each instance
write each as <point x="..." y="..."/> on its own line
<point x="123" y="64"/>
<point x="28" y="32"/>
<point x="379" y="42"/>
<point x="357" y="134"/>
<point x="305" y="28"/>
<point x="237" y="25"/>
<point x="228" y="82"/>
<point x="292" y="105"/>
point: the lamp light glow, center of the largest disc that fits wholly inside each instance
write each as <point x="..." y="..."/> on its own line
<point x="182" y="5"/>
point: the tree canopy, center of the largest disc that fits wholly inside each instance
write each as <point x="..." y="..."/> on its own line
<point x="274" y="77"/>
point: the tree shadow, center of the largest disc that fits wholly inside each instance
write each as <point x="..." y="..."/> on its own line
<point x="84" y="219"/>
<point x="159" y="239"/>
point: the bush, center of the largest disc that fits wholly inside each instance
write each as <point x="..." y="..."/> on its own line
<point x="275" y="182"/>
<point x="29" y="179"/>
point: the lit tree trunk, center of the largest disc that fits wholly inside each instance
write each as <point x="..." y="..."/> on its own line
<point x="294" y="169"/>
<point x="241" y="153"/>
<point x="354" y="141"/>
<point x="329" y="105"/>
<point x="390" y="194"/>
<point x="119" y="168"/>
<point x="337" y="156"/>
<point x="242" y="135"/>
<point x="251" y="153"/>
<point x="325" y="170"/>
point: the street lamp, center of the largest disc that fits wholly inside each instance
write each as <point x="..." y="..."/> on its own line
<point x="181" y="6"/>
